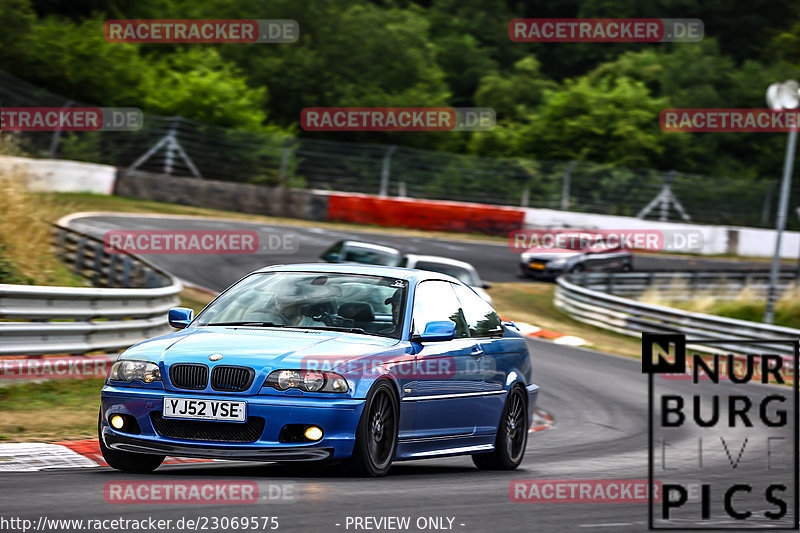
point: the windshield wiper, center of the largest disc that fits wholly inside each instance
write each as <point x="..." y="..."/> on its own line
<point x="255" y="323"/>
<point x="359" y="331"/>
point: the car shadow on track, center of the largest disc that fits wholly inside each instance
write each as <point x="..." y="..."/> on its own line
<point x="289" y="471"/>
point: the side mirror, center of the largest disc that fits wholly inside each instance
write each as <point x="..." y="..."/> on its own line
<point x="486" y="285"/>
<point x="438" y="330"/>
<point x="180" y="317"/>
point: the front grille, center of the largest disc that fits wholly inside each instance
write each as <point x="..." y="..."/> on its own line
<point x="231" y="378"/>
<point x="249" y="431"/>
<point x="189" y="376"/>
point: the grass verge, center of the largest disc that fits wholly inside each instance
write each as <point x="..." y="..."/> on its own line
<point x="746" y="305"/>
<point x="51" y="410"/>
<point x="533" y="303"/>
<point x="26" y="253"/>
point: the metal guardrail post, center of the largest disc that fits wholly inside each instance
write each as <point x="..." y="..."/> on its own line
<point x="127" y="264"/>
<point x="79" y="255"/>
<point x="98" y="263"/>
<point x="111" y="279"/>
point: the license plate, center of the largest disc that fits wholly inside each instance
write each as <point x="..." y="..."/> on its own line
<point x="536" y="266"/>
<point x="205" y="409"/>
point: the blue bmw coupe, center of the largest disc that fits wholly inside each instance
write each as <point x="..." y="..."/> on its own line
<point x="362" y="365"/>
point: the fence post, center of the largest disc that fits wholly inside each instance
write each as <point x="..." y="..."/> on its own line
<point x="765" y="211"/>
<point x="524" y="201"/>
<point x="57" y="136"/>
<point x="387" y="159"/>
<point x="285" y="159"/>
<point x="565" y="186"/>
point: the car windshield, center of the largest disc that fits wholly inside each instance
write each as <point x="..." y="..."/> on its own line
<point x="460" y="273"/>
<point x="360" y="304"/>
<point x="371" y="256"/>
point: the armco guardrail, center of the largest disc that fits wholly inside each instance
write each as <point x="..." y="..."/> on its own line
<point x="132" y="308"/>
<point x="631" y="317"/>
<point x="684" y="285"/>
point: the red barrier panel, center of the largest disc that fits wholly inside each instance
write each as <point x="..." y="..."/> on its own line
<point x="424" y="214"/>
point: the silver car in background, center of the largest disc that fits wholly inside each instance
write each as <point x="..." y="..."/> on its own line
<point x="460" y="270"/>
<point x="347" y="251"/>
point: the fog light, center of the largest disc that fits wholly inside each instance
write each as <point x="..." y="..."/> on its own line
<point x="117" y="422"/>
<point x="313" y="433"/>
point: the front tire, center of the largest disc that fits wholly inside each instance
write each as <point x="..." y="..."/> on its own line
<point x="376" y="436"/>
<point x="512" y="436"/>
<point x="140" y="463"/>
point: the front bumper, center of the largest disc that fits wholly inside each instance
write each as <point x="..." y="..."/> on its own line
<point x="126" y="443"/>
<point x="338" y="418"/>
<point x="549" y="273"/>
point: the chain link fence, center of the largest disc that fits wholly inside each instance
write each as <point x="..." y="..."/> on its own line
<point x="180" y="147"/>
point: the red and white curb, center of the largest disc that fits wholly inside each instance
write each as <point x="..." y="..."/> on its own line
<point x="529" y="330"/>
<point x="541" y="420"/>
<point x="33" y="456"/>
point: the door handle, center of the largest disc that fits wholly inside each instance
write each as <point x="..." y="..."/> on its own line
<point x="477" y="351"/>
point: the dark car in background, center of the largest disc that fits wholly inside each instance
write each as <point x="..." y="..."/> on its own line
<point x="366" y="253"/>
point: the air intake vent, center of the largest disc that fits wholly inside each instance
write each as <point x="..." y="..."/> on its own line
<point x="208" y="431"/>
<point x="231" y="378"/>
<point x="189" y="376"/>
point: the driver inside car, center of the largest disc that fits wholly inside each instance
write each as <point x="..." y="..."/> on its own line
<point x="288" y="309"/>
<point x="396" y="318"/>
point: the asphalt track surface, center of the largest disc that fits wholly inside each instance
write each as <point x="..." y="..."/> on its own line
<point x="495" y="261"/>
<point x="598" y="401"/>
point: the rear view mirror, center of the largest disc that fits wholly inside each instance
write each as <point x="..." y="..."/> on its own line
<point x="438" y="330"/>
<point x="180" y="317"/>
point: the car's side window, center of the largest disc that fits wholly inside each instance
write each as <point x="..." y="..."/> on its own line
<point x="435" y="300"/>
<point x="482" y="320"/>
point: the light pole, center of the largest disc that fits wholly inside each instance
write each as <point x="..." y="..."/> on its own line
<point x="781" y="96"/>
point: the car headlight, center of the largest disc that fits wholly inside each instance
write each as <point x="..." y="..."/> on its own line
<point x="307" y="380"/>
<point x="134" y="370"/>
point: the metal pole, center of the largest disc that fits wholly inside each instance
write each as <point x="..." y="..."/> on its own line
<point x="387" y="159"/>
<point x="780" y="223"/>
<point x="171" y="146"/>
